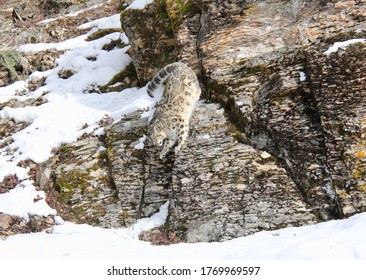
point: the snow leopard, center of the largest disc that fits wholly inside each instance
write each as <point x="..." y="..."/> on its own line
<point x="170" y="121"/>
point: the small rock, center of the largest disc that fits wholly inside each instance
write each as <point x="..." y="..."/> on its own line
<point x="5" y="221"/>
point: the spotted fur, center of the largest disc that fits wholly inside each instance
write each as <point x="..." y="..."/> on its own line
<point x="170" y="122"/>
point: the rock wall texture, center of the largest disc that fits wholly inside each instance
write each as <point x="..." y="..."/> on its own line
<point x="264" y="63"/>
<point x="279" y="141"/>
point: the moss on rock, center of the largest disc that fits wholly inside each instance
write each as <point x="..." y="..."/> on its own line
<point x="178" y="10"/>
<point x="68" y="183"/>
<point x="152" y="38"/>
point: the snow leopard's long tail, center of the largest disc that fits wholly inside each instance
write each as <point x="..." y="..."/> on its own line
<point x="162" y="76"/>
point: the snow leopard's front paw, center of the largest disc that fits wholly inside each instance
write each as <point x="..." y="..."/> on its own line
<point x="177" y="150"/>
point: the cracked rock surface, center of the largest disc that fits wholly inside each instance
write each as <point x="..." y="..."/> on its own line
<point x="218" y="188"/>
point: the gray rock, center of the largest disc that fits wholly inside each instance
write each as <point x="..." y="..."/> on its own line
<point x="230" y="181"/>
<point x="5" y="221"/>
<point x="250" y="55"/>
<point x="85" y="191"/>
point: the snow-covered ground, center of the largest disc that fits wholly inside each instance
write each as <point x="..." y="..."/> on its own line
<point x="334" y="240"/>
<point x="61" y="120"/>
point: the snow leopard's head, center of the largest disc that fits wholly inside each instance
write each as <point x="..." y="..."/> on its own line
<point x="157" y="134"/>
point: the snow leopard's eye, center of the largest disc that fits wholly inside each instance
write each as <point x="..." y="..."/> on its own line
<point x="159" y="140"/>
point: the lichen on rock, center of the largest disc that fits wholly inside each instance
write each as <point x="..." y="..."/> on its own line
<point x="151" y="37"/>
<point x="85" y="192"/>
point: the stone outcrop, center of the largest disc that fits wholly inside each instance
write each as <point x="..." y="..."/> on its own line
<point x="264" y="62"/>
<point x="218" y="188"/>
<point x="256" y="74"/>
<point x="85" y="193"/>
<point x="10" y="225"/>
<point x="338" y="83"/>
<point x="155" y="37"/>
<point x="223" y="189"/>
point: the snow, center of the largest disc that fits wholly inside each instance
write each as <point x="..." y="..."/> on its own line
<point x="336" y="46"/>
<point x="302" y="76"/>
<point x="103" y="23"/>
<point x="28" y="201"/>
<point x="139" y="4"/>
<point x="68" y="44"/>
<point x="140" y="145"/>
<point x="334" y="240"/>
<point x="70" y="104"/>
<point x="52" y="126"/>
<point x="10" y="91"/>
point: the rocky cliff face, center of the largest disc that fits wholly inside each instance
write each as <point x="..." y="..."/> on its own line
<point x="264" y="63"/>
<point x="278" y="141"/>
